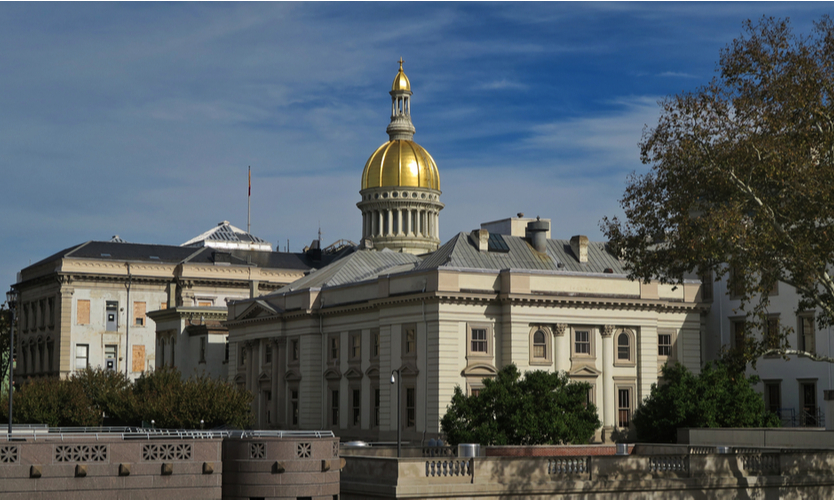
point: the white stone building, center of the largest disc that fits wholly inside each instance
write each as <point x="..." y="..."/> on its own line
<point x="321" y="352"/>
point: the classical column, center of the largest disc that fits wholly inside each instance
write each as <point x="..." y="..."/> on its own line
<point x="389" y="230"/>
<point x="561" y="346"/>
<point x="276" y="374"/>
<point x="400" y="222"/>
<point x="608" y="401"/>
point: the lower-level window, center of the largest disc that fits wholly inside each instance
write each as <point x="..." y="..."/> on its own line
<point x="82" y="356"/>
<point x="410" y="408"/>
<point x="357" y="407"/>
<point x="376" y="407"/>
<point x="623" y="407"/>
<point x="294" y="407"/>
<point x="334" y="407"/>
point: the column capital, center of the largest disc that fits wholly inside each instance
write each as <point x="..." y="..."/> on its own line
<point x="607" y="330"/>
<point x="559" y="329"/>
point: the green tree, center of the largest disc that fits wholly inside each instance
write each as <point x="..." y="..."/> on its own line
<point x="5" y="331"/>
<point x="742" y="180"/>
<point x="717" y="397"/>
<point x="55" y="402"/>
<point x="540" y="408"/>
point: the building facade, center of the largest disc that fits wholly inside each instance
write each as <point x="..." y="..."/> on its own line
<point x="379" y="339"/>
<point x="92" y="304"/>
<point x="792" y="387"/>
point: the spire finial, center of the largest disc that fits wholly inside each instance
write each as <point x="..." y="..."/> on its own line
<point x="401" y="61"/>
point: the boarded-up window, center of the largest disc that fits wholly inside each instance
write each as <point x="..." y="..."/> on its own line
<point x="163" y="305"/>
<point x="82" y="313"/>
<point x="204" y="303"/>
<point x="138" y="358"/>
<point x="139" y="313"/>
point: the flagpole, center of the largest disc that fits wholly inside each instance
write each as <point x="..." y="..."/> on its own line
<point x="249" y="204"/>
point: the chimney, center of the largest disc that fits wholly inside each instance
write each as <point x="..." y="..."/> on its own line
<point x="579" y="246"/>
<point x="480" y="237"/>
<point x="537" y="231"/>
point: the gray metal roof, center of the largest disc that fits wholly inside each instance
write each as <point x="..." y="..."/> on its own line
<point x="361" y="265"/>
<point x="461" y="252"/>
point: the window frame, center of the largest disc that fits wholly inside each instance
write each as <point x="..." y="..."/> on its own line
<point x="547" y="346"/>
<point x="356" y="407"/>
<point x="409" y="347"/>
<point x="766" y="396"/>
<point x="591" y="354"/>
<point x="631" y="336"/>
<point x="86" y="357"/>
<point x="489" y="341"/>
<point x="355" y="338"/>
<point x="334" y="347"/>
<point x="801" y="340"/>
<point x="375" y="344"/>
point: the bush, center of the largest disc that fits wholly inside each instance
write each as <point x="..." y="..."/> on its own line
<point x="541" y="408"/>
<point x="718" y="397"/>
<point x="162" y="395"/>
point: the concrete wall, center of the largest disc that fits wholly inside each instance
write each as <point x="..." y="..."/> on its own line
<point x="758" y="475"/>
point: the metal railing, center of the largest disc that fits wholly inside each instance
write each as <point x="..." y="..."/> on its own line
<point x="127" y="433"/>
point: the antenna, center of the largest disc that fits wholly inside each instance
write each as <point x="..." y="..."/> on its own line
<point x="249" y="204"/>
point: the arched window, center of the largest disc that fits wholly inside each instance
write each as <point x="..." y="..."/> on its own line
<point x="539" y="344"/>
<point x="623" y="347"/>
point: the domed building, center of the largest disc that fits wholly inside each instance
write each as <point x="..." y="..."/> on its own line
<point x="401" y="185"/>
<point x="320" y="353"/>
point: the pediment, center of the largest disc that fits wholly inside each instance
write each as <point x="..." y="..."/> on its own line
<point x="264" y="377"/>
<point x="292" y="375"/>
<point x="480" y="370"/>
<point x="409" y="370"/>
<point x="586" y="371"/>
<point x="353" y="374"/>
<point x="333" y="374"/>
<point x="372" y="372"/>
<point x="239" y="379"/>
<point x="258" y="309"/>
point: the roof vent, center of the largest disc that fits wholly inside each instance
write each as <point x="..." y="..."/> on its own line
<point x="223" y="223"/>
<point x="579" y="246"/>
<point x="537" y="231"/>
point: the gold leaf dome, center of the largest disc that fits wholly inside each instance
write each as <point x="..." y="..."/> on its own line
<point x="401" y="163"/>
<point x="401" y="81"/>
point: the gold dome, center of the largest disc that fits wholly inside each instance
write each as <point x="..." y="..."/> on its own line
<point x="401" y="81"/>
<point x="401" y="163"/>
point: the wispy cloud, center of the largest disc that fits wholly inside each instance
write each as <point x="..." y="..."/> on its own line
<point x="677" y="74"/>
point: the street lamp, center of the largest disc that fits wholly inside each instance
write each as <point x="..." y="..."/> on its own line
<point x="11" y="300"/>
<point x="395" y="379"/>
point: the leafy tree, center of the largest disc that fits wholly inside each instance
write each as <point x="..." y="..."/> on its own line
<point x="5" y="331"/>
<point x="718" y="397"/>
<point x="742" y="180"/>
<point x="540" y="408"/>
<point x="162" y="395"/>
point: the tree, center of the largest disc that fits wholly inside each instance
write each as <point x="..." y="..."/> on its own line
<point x="540" y="408"/>
<point x="742" y="180"/>
<point x="5" y="331"/>
<point x="718" y="397"/>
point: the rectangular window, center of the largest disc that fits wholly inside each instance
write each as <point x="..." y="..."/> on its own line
<point x="295" y="350"/>
<point x="42" y="317"/>
<point x="139" y="318"/>
<point x="355" y="345"/>
<point x="50" y="306"/>
<point x="807" y="338"/>
<point x="773" y="397"/>
<point x="50" y="352"/>
<point x="410" y="341"/>
<point x="111" y="356"/>
<point x="334" y="348"/>
<point x="376" y="406"/>
<point x="706" y="286"/>
<point x="294" y="406"/>
<point x="623" y="407"/>
<point x="479" y="340"/>
<point x="334" y="407"/>
<point x="82" y="312"/>
<point x="267" y="353"/>
<point x="772" y="333"/>
<point x="202" y="349"/>
<point x="226" y="355"/>
<point x="241" y="354"/>
<point x="583" y="342"/>
<point x="204" y="303"/>
<point x="375" y="342"/>
<point x="738" y="334"/>
<point x="475" y="391"/>
<point x="809" y="416"/>
<point x="112" y="315"/>
<point x="357" y="407"/>
<point x="664" y="344"/>
<point x="410" y="408"/>
<point x="82" y="356"/>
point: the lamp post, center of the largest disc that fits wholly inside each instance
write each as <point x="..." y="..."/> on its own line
<point x="395" y="378"/>
<point x="11" y="300"/>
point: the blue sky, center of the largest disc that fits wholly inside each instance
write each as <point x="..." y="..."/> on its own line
<point x="140" y="119"/>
